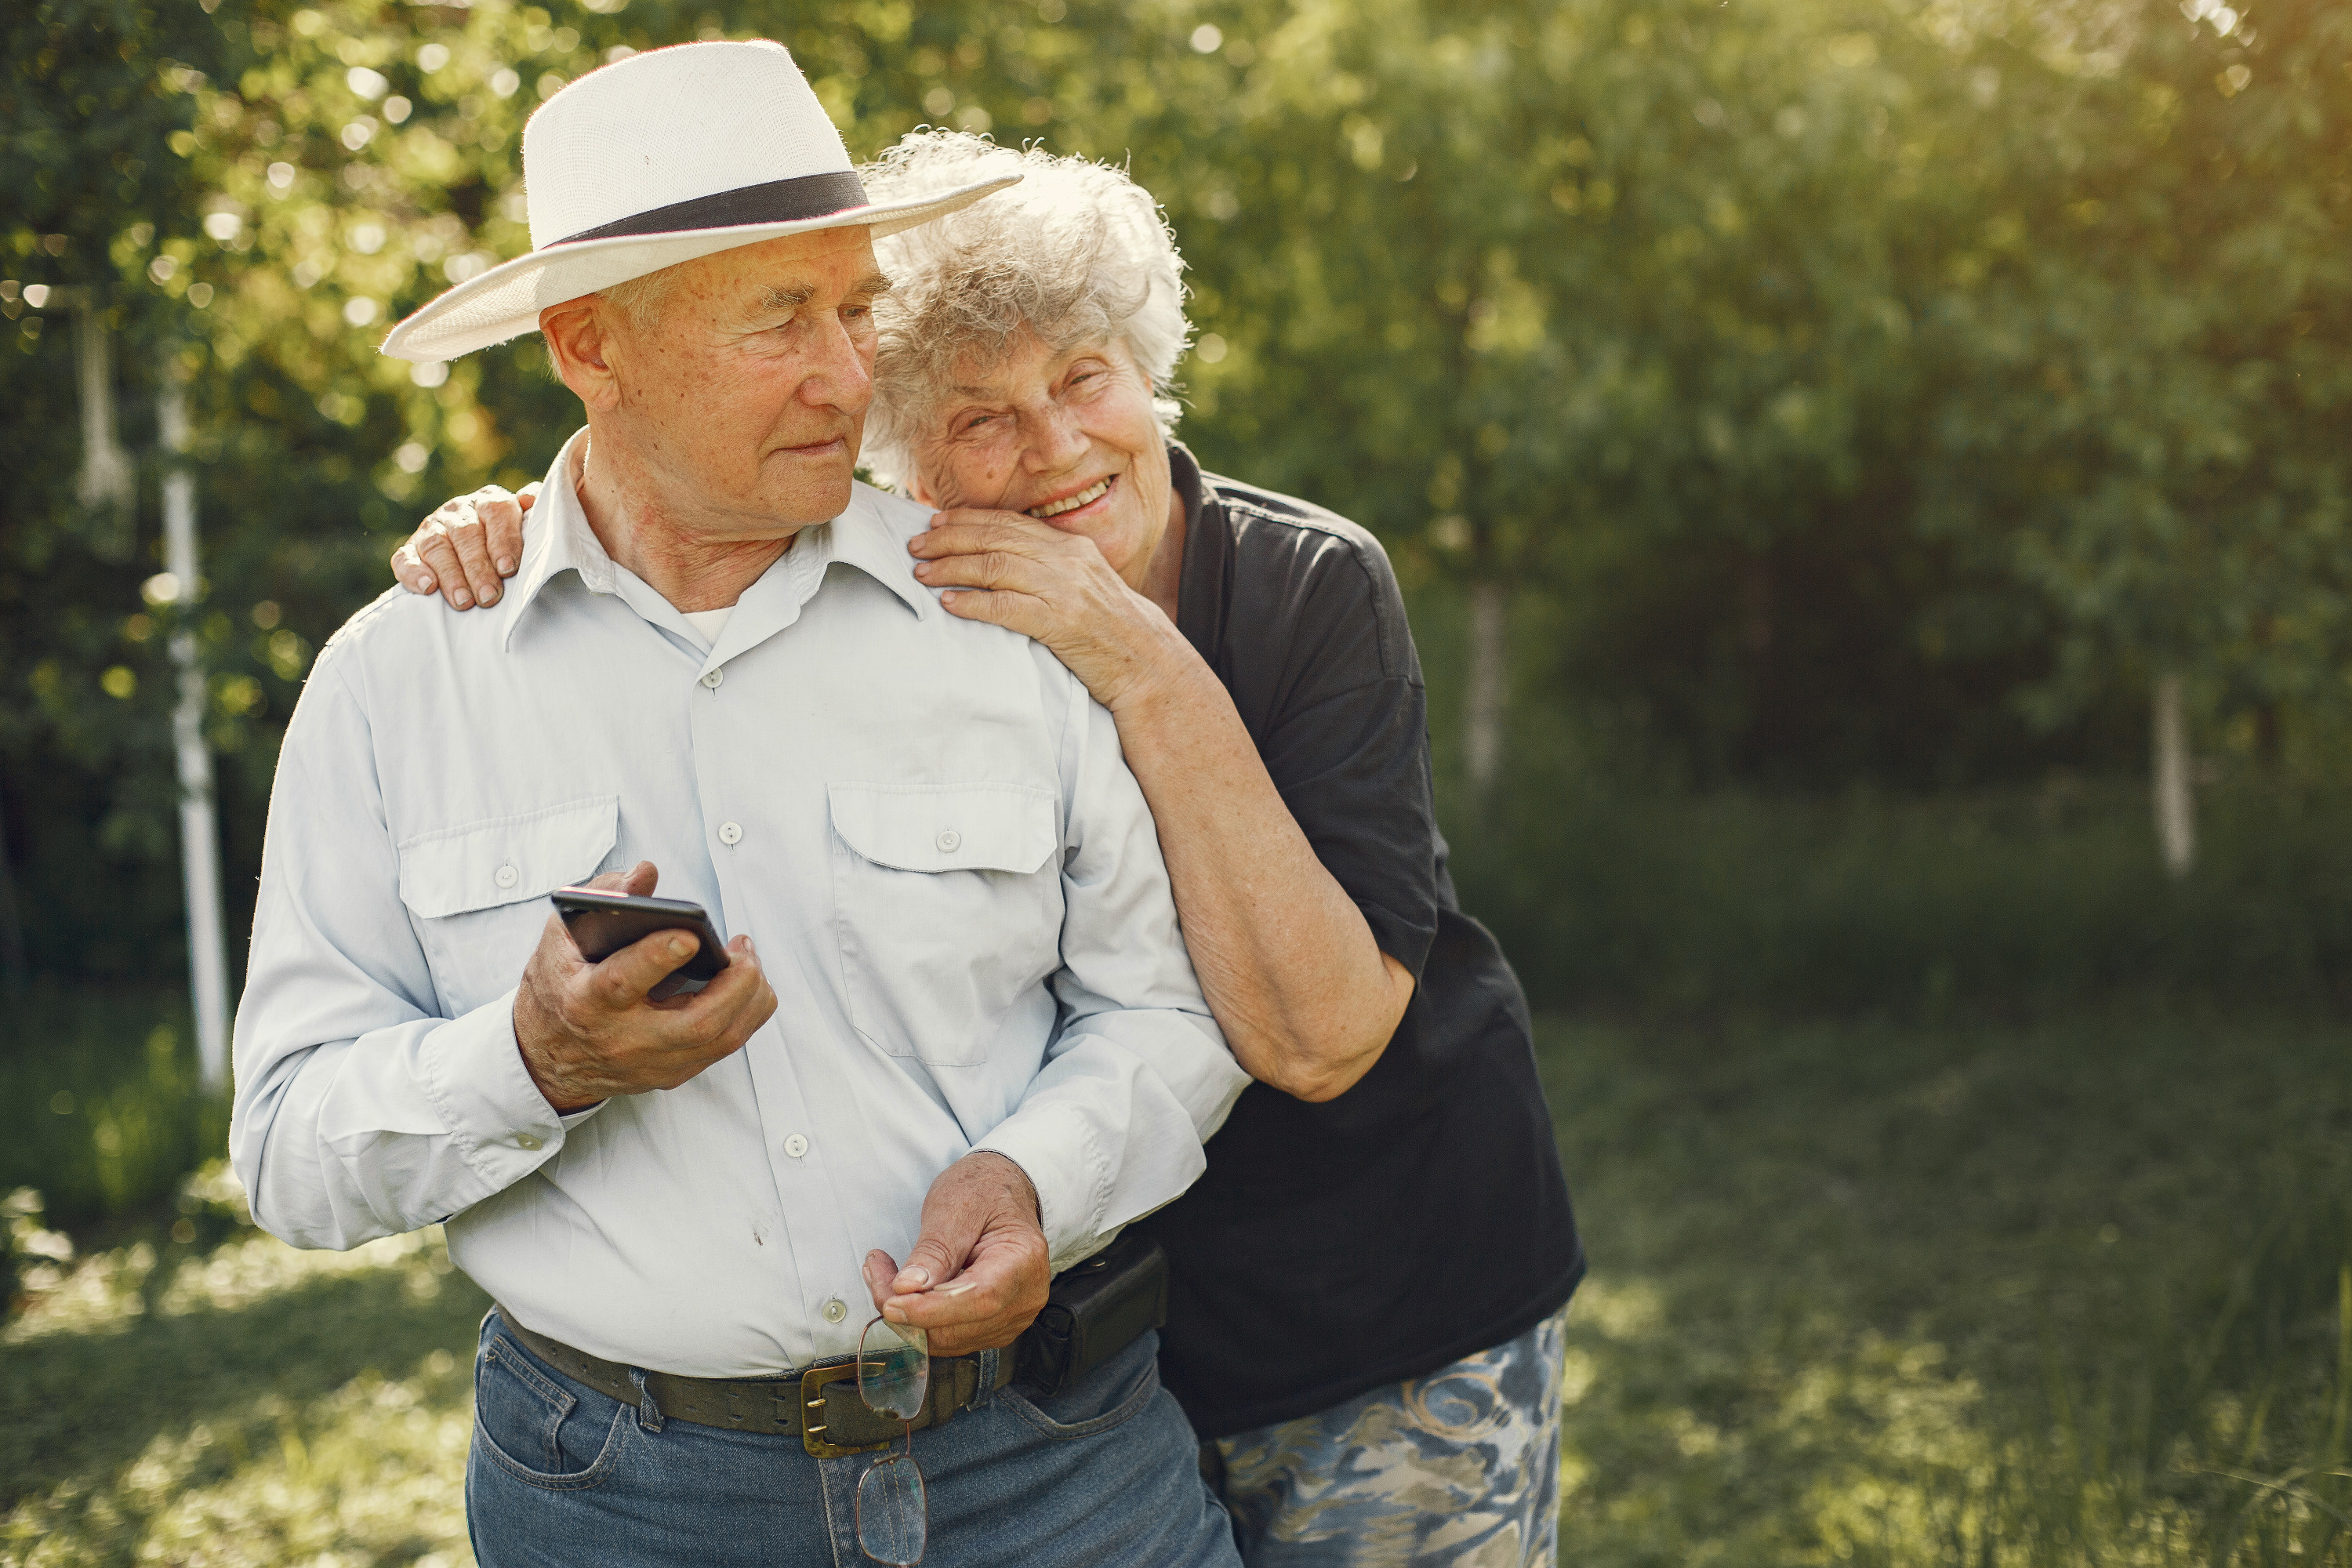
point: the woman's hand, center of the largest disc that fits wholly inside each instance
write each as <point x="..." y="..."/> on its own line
<point x="1028" y="576"/>
<point x="467" y="546"/>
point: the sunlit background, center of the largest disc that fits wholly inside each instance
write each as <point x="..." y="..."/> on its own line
<point x="1874" y="483"/>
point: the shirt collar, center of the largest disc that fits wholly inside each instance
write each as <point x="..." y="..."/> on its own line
<point x="862" y="536"/>
<point x="866" y="537"/>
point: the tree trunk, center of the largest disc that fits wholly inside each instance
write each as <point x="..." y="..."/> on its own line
<point x="109" y="484"/>
<point x="1490" y="679"/>
<point x="199" y="836"/>
<point x="2176" y="808"/>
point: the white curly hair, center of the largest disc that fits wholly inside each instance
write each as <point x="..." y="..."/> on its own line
<point x="1076" y="252"/>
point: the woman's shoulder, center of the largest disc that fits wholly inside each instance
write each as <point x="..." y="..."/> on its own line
<point x="1311" y="572"/>
<point x="1266" y="525"/>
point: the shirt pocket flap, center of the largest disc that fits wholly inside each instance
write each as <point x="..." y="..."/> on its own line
<point x="482" y="865"/>
<point x="947" y="828"/>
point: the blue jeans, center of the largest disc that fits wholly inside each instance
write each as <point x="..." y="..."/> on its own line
<point x="562" y="1476"/>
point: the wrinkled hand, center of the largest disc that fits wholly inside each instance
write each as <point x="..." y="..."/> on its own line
<point x="1033" y="578"/>
<point x="587" y="1032"/>
<point x="467" y="546"/>
<point x="979" y="1272"/>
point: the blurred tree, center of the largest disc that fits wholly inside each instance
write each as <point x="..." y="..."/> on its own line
<point x="1852" y="386"/>
<point x="2148" y="424"/>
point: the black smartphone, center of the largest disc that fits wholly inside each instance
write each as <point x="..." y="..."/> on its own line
<point x="602" y="923"/>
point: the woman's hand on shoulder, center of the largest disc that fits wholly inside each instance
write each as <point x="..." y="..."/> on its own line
<point x="466" y="547"/>
<point x="1014" y="572"/>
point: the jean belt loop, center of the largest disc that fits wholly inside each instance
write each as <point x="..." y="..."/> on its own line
<point x="985" y="1395"/>
<point x="649" y="1416"/>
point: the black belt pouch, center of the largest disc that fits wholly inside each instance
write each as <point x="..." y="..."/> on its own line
<point x="1094" y="1311"/>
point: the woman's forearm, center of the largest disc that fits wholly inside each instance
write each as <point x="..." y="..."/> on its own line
<point x="1304" y="994"/>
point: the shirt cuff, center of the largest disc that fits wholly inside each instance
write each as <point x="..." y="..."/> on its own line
<point x="475" y="1077"/>
<point x="1055" y="1150"/>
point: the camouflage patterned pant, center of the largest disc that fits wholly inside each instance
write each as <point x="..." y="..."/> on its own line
<point x="1459" y="1468"/>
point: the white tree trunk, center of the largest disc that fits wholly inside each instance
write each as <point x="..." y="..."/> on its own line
<point x="1490" y="681"/>
<point x="199" y="838"/>
<point x="2175" y="806"/>
<point x="109" y="483"/>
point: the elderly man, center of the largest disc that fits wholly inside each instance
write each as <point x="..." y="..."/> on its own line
<point x="969" y="1034"/>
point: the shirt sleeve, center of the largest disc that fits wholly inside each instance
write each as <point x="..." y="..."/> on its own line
<point x="1345" y="740"/>
<point x="360" y="1111"/>
<point x="1138" y="1075"/>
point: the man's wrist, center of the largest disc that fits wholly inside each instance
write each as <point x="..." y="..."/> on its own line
<point x="1017" y="1179"/>
<point x="528" y="1021"/>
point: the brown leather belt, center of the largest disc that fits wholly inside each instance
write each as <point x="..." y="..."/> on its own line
<point x="819" y="1405"/>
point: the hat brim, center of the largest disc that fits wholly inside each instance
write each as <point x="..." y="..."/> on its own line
<point x="505" y="302"/>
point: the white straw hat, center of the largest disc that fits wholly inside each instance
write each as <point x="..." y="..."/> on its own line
<point x="664" y="157"/>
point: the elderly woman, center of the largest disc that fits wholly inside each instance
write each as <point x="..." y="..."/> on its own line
<point x="1369" y="1284"/>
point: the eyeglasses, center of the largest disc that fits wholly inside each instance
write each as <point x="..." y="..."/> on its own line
<point x="894" y="1378"/>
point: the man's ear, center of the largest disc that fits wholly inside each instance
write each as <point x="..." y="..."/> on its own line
<point x="580" y="340"/>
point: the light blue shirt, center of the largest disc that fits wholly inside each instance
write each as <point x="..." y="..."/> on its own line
<point x="925" y="826"/>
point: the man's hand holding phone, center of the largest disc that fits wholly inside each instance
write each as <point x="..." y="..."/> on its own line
<point x="588" y="1031"/>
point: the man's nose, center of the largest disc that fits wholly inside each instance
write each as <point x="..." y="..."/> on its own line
<point x="840" y="375"/>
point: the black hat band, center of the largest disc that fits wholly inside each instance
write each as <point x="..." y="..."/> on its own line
<point x="779" y="201"/>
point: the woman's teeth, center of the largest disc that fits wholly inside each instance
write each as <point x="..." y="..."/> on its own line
<point x="1071" y="503"/>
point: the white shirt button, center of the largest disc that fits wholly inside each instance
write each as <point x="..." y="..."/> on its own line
<point x="835" y="1311"/>
<point x="713" y="678"/>
<point x="730" y="833"/>
<point x="526" y="1141"/>
<point x="506" y="876"/>
<point x="950" y="840"/>
<point x="796" y="1146"/>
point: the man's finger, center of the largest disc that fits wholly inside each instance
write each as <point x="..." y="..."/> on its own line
<point x="939" y="1254"/>
<point x="723" y="1014"/>
<point x="638" y="881"/>
<point x="622" y="980"/>
<point x="879" y="1270"/>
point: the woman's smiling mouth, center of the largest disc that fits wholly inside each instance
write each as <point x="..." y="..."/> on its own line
<point x="1053" y="509"/>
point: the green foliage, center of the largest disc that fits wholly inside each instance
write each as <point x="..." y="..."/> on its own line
<point x="1868" y="901"/>
<point x="1848" y="390"/>
<point x="104" y="1116"/>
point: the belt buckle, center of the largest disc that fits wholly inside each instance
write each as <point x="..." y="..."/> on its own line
<point x="812" y="1384"/>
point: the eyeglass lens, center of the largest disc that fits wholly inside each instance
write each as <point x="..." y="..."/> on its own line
<point x="894" y="1378"/>
<point x="894" y="1517"/>
<point x="894" y="1368"/>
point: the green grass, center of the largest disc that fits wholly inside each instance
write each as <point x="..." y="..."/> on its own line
<point x="2064" y="1293"/>
<point x="99" y="1106"/>
<point x="1845" y="904"/>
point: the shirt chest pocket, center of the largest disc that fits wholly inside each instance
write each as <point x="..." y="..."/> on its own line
<point x="477" y="892"/>
<point x="948" y="898"/>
